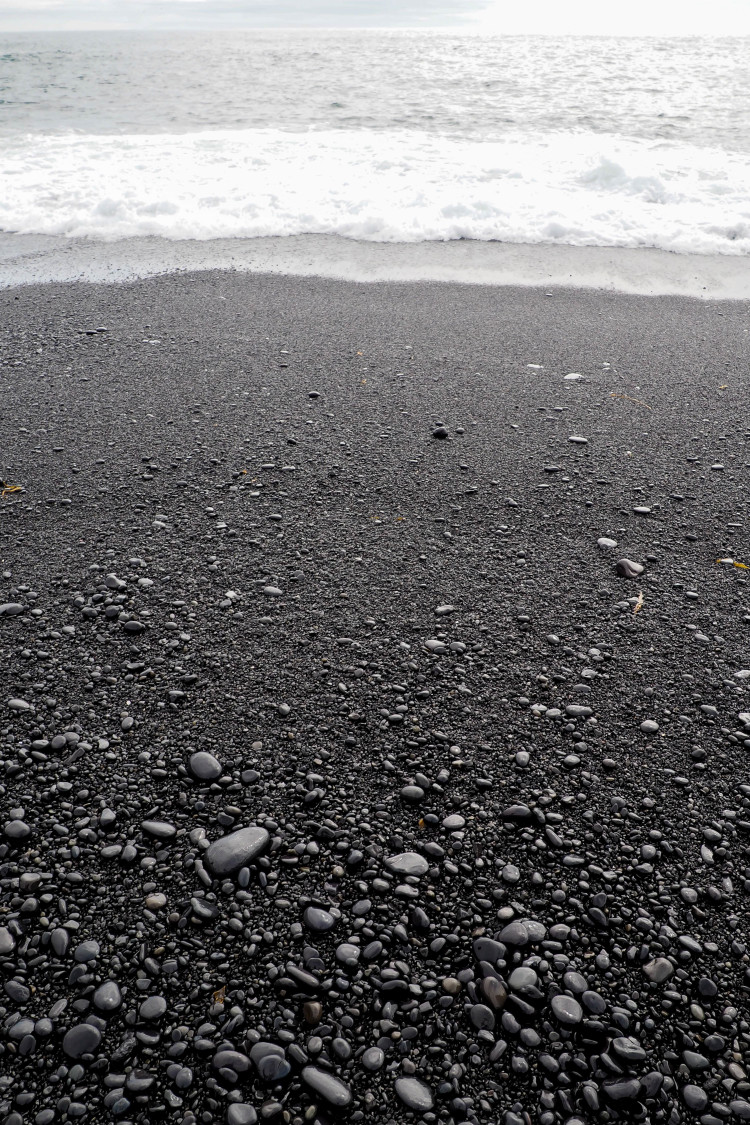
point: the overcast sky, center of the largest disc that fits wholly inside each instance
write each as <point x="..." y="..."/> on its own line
<point x="551" y="17"/>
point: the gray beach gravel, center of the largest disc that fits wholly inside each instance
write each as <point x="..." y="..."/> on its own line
<point x="374" y="717"/>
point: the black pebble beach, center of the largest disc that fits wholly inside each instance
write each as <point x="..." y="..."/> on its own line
<point x="375" y="704"/>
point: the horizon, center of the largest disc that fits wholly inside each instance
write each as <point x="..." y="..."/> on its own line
<point x="453" y="29"/>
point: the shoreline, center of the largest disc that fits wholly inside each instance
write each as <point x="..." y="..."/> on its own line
<point x="35" y="259"/>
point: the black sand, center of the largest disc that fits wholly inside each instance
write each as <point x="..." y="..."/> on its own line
<point x="182" y="446"/>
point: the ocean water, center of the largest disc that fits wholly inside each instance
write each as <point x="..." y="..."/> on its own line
<point x="377" y="136"/>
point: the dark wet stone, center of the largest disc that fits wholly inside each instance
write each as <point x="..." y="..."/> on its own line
<point x="160" y="829"/>
<point x="18" y="993"/>
<point x="494" y="992"/>
<point x="240" y="1113"/>
<point x="659" y="970"/>
<point x="234" y="1060"/>
<point x="695" y="1098"/>
<point x="695" y="1061"/>
<point x="312" y="1010"/>
<point x="60" y="941"/>
<point x="482" y="1017"/>
<point x="707" y="988"/>
<point x="204" y="766"/>
<point x="522" y="979"/>
<point x="407" y="863"/>
<point x="566" y="1009"/>
<point x="83" y="1039"/>
<point x="318" y="920"/>
<point x="626" y="568"/>
<point x="11" y="609"/>
<point x="487" y="949"/>
<point x="230" y="853"/>
<point x="414" y="1094"/>
<point x="574" y="982"/>
<point x="17" y="830"/>
<point x="327" y="1086"/>
<point x="412" y="794"/>
<point x="348" y="954"/>
<point x="107" y="997"/>
<point x="651" y="1083"/>
<point x="270" y="1062"/>
<point x="153" y="1008"/>
<point x="515" y="934"/>
<point x="373" y="1058"/>
<point x="628" y="1050"/>
<point x="594" y="1003"/>
<point x="138" y="1081"/>
<point x="86" y="951"/>
<point x="627" y="1089"/>
<point x="7" y="941"/>
<point x="517" y="814"/>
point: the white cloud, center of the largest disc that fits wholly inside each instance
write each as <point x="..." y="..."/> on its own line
<point x="634" y="17"/>
<point x="551" y="17"/>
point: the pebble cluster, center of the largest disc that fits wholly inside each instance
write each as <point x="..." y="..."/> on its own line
<point x="354" y="774"/>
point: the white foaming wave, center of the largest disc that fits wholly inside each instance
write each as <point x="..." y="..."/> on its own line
<point x="392" y="186"/>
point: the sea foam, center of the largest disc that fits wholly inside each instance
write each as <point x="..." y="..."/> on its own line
<point x="386" y="186"/>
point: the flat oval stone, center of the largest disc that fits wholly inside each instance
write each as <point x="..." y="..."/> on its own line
<point x="153" y="1008"/>
<point x="695" y="1098"/>
<point x="330" y="1088"/>
<point x="567" y="1010"/>
<point x="204" y="766"/>
<point x="414" y="1094"/>
<point x="17" y="830"/>
<point x="19" y="705"/>
<point x="574" y="982"/>
<point x="160" y="829"/>
<point x="232" y="852"/>
<point x="240" y="1113"/>
<point x="83" y="1039"/>
<point x="407" y="863"/>
<point x="412" y="794"/>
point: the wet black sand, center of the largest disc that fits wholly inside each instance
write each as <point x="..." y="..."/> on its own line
<point x="182" y="446"/>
